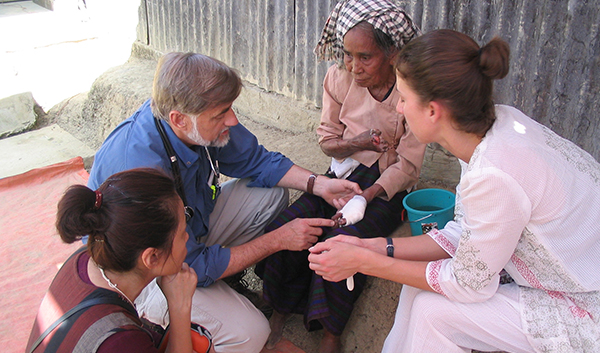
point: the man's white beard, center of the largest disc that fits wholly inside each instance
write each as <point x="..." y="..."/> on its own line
<point x="194" y="135"/>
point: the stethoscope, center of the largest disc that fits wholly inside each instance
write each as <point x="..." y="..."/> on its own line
<point x="215" y="186"/>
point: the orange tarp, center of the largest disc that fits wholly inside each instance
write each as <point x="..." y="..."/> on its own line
<point x="30" y="249"/>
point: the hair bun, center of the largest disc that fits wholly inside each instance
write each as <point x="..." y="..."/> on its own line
<point x="494" y="58"/>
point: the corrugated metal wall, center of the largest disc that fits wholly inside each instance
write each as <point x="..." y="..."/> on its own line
<point x="269" y="41"/>
<point x="555" y="58"/>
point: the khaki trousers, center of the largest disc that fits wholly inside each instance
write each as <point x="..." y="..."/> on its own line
<point x="240" y="215"/>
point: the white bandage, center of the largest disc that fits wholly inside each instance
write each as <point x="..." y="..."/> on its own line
<point x="354" y="210"/>
<point x="350" y="283"/>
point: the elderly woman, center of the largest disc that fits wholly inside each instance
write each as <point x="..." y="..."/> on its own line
<point x="369" y="143"/>
<point x="513" y="271"/>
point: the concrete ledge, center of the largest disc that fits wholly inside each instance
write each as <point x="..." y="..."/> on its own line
<point x="40" y="148"/>
<point x="17" y="114"/>
<point x="277" y="110"/>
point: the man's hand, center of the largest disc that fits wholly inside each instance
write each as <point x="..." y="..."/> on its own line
<point x="339" y="190"/>
<point x="302" y="233"/>
<point x="296" y="235"/>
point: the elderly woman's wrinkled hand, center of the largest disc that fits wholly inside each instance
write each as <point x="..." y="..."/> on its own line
<point x="370" y="140"/>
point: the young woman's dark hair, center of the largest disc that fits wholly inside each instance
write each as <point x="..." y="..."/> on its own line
<point x="130" y="212"/>
<point x="449" y="67"/>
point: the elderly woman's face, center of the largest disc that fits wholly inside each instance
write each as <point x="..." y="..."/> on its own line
<point x="367" y="63"/>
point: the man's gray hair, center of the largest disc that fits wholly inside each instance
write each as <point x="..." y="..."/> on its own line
<point x="192" y="83"/>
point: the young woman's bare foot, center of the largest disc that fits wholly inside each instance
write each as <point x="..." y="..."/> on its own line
<point x="276" y="322"/>
<point x="330" y="343"/>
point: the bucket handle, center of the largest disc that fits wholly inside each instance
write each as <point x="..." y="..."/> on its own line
<point x="415" y="221"/>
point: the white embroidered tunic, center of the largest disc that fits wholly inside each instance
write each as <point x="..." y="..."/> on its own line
<point x="528" y="202"/>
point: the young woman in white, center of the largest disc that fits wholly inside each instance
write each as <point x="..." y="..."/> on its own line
<point x="517" y="268"/>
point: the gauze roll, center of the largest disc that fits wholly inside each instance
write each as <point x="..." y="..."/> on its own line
<point x="354" y="210"/>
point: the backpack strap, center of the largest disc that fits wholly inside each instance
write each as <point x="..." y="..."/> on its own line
<point x="84" y="305"/>
<point x="102" y="329"/>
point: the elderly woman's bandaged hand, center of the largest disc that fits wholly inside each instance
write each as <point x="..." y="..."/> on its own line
<point x="354" y="211"/>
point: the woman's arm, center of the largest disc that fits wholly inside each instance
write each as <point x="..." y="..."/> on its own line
<point x="179" y="289"/>
<point x="343" y="256"/>
<point x="331" y="129"/>
<point x="372" y="192"/>
<point x="369" y="140"/>
<point x="403" y="172"/>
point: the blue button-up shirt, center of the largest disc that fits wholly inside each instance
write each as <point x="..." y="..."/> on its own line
<point x="136" y="143"/>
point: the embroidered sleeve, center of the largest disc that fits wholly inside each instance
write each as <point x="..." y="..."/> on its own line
<point x="433" y="275"/>
<point x="443" y="239"/>
<point x="496" y="210"/>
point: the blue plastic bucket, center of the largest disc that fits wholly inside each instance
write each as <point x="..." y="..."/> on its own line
<point x="428" y="209"/>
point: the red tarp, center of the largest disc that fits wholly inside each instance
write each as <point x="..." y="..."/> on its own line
<point x="30" y="249"/>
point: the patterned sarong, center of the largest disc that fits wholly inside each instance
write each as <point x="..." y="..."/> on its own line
<point x="290" y="286"/>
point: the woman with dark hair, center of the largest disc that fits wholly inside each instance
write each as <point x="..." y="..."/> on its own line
<point x="137" y="232"/>
<point x="512" y="271"/>
<point x="369" y="143"/>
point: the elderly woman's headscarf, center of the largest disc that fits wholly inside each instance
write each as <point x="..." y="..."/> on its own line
<point x="384" y="15"/>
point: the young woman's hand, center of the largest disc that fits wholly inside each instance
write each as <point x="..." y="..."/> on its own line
<point x="334" y="260"/>
<point x="179" y="288"/>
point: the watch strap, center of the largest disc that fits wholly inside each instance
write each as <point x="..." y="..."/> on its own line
<point x="390" y="247"/>
<point x="310" y="184"/>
